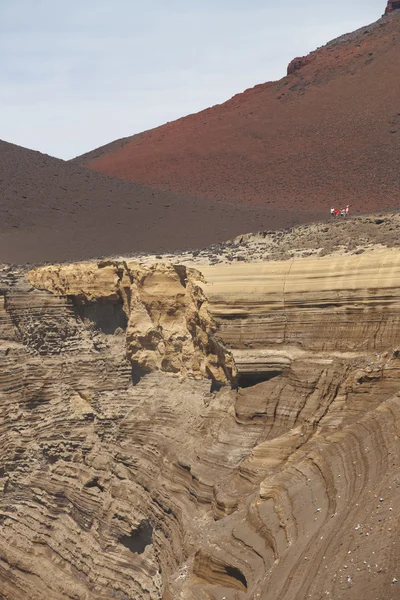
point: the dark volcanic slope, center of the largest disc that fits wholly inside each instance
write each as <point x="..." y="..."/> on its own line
<point x="329" y="132"/>
<point x="55" y="211"/>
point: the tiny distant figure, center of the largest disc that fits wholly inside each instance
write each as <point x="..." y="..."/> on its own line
<point x="347" y="210"/>
<point x="343" y="213"/>
<point x="336" y="212"/>
<point x="333" y="212"/>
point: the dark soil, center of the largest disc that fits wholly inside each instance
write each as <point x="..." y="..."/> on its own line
<point x="53" y="211"/>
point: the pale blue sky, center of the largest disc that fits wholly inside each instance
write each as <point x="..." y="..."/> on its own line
<point x="75" y="75"/>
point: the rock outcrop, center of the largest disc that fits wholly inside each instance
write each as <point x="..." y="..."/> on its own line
<point x="391" y="6"/>
<point x="284" y="487"/>
<point x="297" y="63"/>
<point x="163" y="309"/>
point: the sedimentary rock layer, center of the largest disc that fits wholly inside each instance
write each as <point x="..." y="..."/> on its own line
<point x="283" y="484"/>
<point x="346" y="303"/>
<point x="164" y="311"/>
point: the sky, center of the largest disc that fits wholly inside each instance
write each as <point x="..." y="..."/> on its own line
<point x="76" y="75"/>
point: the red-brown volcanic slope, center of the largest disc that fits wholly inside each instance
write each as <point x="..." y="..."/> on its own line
<point x="53" y="210"/>
<point x="328" y="133"/>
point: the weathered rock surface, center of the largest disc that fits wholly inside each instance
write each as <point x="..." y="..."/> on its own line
<point x="391" y="6"/>
<point x="163" y="309"/>
<point x="120" y="486"/>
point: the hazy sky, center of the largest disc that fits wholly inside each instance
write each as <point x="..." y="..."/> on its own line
<point x="77" y="74"/>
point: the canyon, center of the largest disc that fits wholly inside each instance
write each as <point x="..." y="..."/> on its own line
<point x="201" y="431"/>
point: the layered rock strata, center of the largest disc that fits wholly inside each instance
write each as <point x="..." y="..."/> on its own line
<point x="123" y="476"/>
<point x="163" y="309"/>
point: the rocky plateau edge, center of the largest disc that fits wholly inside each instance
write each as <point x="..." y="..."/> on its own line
<point x="230" y="431"/>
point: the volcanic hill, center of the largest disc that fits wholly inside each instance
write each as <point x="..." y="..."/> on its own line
<point x="326" y="133"/>
<point x="52" y="210"/>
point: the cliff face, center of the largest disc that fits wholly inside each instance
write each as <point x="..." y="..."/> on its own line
<point x="123" y="476"/>
<point x="163" y="309"/>
<point x="391" y="6"/>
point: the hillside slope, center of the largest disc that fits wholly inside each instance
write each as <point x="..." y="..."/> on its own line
<point x="326" y="133"/>
<point x="52" y="210"/>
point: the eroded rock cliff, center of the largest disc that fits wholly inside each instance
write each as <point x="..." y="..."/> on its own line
<point x="168" y="325"/>
<point x="391" y="6"/>
<point x="123" y="476"/>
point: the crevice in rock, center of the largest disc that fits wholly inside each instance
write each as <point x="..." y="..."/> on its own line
<point x="138" y="540"/>
<point x="36" y="402"/>
<point x="216" y="572"/>
<point x="137" y="372"/>
<point x="246" y="380"/>
<point x="216" y="386"/>
<point x="106" y="315"/>
<point x="94" y="483"/>
<point x="286" y="277"/>
<point x="235" y="573"/>
<point x="181" y="271"/>
<point x="51" y="459"/>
